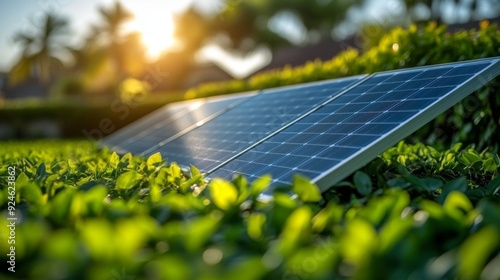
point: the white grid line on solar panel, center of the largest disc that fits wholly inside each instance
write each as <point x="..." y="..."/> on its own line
<point x="173" y="111"/>
<point x="348" y="123"/>
<point x="163" y="130"/>
<point x="235" y="130"/>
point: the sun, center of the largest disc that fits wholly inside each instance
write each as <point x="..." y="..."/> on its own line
<point x="157" y="31"/>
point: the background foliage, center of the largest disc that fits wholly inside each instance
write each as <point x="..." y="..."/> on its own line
<point x="473" y="121"/>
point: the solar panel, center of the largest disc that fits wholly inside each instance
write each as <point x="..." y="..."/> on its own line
<point x="167" y="130"/>
<point x="174" y="120"/>
<point x="349" y="131"/>
<point x="232" y="132"/>
<point x="166" y="112"/>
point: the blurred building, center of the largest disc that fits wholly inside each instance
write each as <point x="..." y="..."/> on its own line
<point x="27" y="89"/>
<point x="471" y="25"/>
<point x="204" y="73"/>
<point x="325" y="49"/>
<point x="3" y="76"/>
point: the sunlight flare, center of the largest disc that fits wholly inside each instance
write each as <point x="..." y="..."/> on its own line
<point x="156" y="30"/>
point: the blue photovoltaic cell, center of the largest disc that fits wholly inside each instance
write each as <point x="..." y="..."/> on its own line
<point x="168" y="112"/>
<point x="169" y="126"/>
<point x="232" y="132"/>
<point x="383" y="107"/>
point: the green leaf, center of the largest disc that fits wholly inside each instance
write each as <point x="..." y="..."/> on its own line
<point x="175" y="171"/>
<point x="359" y="239"/>
<point x="416" y="182"/>
<point x="490" y="165"/>
<point x="125" y="161"/>
<point x="344" y="184"/>
<point x="398" y="183"/>
<point x="127" y="180"/>
<point x="457" y="201"/>
<point x="189" y="183"/>
<point x="490" y="211"/>
<point x="154" y="193"/>
<point x="224" y="194"/>
<point x="363" y="183"/>
<point x="401" y="169"/>
<point x="32" y="194"/>
<point x="494" y="186"/>
<point x="260" y="184"/>
<point x="200" y="230"/>
<point x="247" y="269"/>
<point x="458" y="184"/>
<point x="126" y="158"/>
<point x="88" y="185"/>
<point x="475" y="251"/>
<point x="456" y="147"/>
<point x="154" y="160"/>
<point x="431" y="184"/>
<point x="22" y="179"/>
<point x="241" y="184"/>
<point x="114" y="159"/>
<point x="194" y="171"/>
<point x="472" y="157"/>
<point x="297" y="227"/>
<point x="255" y="225"/>
<point x="60" y="206"/>
<point x="41" y="171"/>
<point x="178" y="268"/>
<point x="307" y="191"/>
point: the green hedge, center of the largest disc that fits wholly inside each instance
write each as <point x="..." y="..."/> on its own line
<point x="75" y="119"/>
<point x="85" y="213"/>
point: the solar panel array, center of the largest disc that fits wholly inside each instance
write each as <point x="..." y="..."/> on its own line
<point x="232" y="132"/>
<point x="323" y="130"/>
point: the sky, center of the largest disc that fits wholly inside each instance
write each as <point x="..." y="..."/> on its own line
<point x="152" y="17"/>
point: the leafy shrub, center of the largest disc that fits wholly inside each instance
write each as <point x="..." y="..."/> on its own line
<point x="90" y="214"/>
<point x="68" y="87"/>
<point x="74" y="117"/>
<point x="133" y="90"/>
<point x="208" y="89"/>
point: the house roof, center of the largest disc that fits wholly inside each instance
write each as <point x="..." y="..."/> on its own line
<point x="470" y="25"/>
<point x="29" y="88"/>
<point x="3" y="77"/>
<point x="206" y="72"/>
<point x="299" y="55"/>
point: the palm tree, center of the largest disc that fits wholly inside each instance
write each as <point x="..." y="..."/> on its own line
<point x="114" y="18"/>
<point x="38" y="54"/>
<point x="22" y="69"/>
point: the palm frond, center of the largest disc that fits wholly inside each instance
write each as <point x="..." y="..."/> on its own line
<point x="21" y="71"/>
